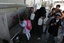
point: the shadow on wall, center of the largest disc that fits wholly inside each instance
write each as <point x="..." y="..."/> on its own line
<point x="15" y="18"/>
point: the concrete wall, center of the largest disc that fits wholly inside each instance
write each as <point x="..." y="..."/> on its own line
<point x="4" y="32"/>
<point x="10" y="13"/>
<point x="30" y="3"/>
<point x="12" y="1"/>
<point x="6" y="16"/>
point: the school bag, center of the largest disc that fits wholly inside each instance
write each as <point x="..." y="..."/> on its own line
<point x="40" y="21"/>
<point x="32" y="16"/>
<point x="29" y="25"/>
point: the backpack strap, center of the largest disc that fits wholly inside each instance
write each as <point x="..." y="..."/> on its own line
<point x="27" y="22"/>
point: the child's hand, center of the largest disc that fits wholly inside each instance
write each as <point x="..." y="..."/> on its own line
<point x="54" y="23"/>
<point x="60" y="27"/>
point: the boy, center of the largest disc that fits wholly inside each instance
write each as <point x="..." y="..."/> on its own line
<point x="52" y="13"/>
<point x="54" y="25"/>
<point x="58" y="10"/>
<point x="62" y="17"/>
<point x="50" y="16"/>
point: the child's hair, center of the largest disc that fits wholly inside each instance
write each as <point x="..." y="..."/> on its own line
<point x="30" y="10"/>
<point x="58" y="5"/>
<point x="25" y="16"/>
<point x="53" y="9"/>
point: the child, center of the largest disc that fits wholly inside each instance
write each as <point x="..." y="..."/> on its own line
<point x="40" y="27"/>
<point x="32" y="21"/>
<point x="31" y="10"/>
<point x="54" y="25"/>
<point x="63" y="31"/>
<point x="26" y="23"/>
<point x="40" y="15"/>
<point x="50" y="16"/>
<point x="62" y="17"/>
<point x="52" y="13"/>
<point x="32" y="16"/>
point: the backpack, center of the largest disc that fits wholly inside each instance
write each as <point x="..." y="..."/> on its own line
<point x="29" y="25"/>
<point x="40" y="21"/>
<point x="32" y="16"/>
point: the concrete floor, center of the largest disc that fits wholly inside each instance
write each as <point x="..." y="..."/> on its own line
<point x="33" y="39"/>
<point x="44" y="39"/>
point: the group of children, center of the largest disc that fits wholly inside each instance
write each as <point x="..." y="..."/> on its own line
<point x="34" y="22"/>
<point x="55" y="22"/>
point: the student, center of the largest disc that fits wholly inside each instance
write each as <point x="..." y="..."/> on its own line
<point x="58" y="7"/>
<point x="32" y="21"/>
<point x="31" y="10"/>
<point x="40" y="14"/>
<point x="52" y="13"/>
<point x="54" y="25"/>
<point x="26" y="23"/>
<point x="50" y="16"/>
<point x="31" y="17"/>
<point x="58" y="10"/>
<point x="62" y="17"/>
<point x="40" y="27"/>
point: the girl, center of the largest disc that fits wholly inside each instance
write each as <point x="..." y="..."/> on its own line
<point x="26" y="23"/>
